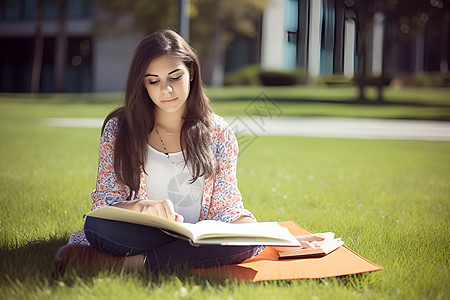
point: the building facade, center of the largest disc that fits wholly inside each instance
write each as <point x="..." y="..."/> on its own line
<point x="322" y="37"/>
<point x="91" y="62"/>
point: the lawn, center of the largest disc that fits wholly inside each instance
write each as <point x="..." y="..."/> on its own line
<point x="411" y="103"/>
<point x="295" y="101"/>
<point x="388" y="200"/>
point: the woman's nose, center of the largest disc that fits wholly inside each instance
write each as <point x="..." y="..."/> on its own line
<point x="167" y="88"/>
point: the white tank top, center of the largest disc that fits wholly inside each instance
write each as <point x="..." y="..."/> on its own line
<point x="169" y="178"/>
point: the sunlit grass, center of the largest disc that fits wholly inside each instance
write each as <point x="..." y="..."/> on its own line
<point x="388" y="200"/>
<point x="408" y="103"/>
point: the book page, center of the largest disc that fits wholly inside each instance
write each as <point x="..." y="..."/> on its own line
<point x="208" y="231"/>
<point x="261" y="233"/>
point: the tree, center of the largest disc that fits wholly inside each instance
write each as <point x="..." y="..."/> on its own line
<point x="403" y="19"/>
<point x="38" y="50"/>
<point x="60" y="48"/>
<point x="214" y="24"/>
<point x="148" y="16"/>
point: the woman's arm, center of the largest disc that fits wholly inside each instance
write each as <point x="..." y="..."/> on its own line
<point x="108" y="190"/>
<point x="226" y="200"/>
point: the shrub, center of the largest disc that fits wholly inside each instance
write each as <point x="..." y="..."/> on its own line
<point x="334" y="80"/>
<point x="280" y="78"/>
<point x="253" y="75"/>
<point x="434" y="79"/>
<point x="248" y="75"/>
<point x="373" y="81"/>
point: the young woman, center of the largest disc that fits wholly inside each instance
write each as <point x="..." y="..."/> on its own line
<point x="163" y="153"/>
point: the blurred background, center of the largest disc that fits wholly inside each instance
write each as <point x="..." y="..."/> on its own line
<point x="74" y="46"/>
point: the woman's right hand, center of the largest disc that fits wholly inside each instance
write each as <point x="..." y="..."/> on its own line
<point x="163" y="208"/>
<point x="305" y="242"/>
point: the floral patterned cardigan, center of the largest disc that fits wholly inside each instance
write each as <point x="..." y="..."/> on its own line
<point x="222" y="200"/>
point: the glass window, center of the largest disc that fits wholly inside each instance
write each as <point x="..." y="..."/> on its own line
<point x="12" y="9"/>
<point x="26" y="9"/>
<point x="30" y="9"/>
<point x="328" y="37"/>
<point x="50" y="10"/>
<point x="291" y="15"/>
<point x="80" y="8"/>
<point x="75" y="8"/>
<point x="2" y="9"/>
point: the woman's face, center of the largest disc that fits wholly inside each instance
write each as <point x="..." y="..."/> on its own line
<point x="167" y="80"/>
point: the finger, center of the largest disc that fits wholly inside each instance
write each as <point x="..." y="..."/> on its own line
<point x="179" y="218"/>
<point x="319" y="237"/>
<point x="160" y="210"/>
<point x="311" y="237"/>
<point x="169" y="210"/>
<point x="308" y="237"/>
<point x="307" y="245"/>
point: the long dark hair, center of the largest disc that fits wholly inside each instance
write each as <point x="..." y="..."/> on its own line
<point x="136" y="118"/>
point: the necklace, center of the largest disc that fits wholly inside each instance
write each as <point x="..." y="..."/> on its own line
<point x="164" y="146"/>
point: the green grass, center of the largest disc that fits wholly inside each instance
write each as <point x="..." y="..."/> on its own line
<point x="388" y="200"/>
<point x="410" y="103"/>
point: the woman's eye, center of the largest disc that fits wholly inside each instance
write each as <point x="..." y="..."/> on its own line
<point x="152" y="82"/>
<point x="178" y="77"/>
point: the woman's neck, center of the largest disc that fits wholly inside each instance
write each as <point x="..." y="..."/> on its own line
<point x="169" y="122"/>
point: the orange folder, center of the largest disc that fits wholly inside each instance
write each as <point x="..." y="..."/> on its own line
<point x="266" y="265"/>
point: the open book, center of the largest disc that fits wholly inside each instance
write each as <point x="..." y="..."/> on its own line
<point x="322" y="248"/>
<point x="206" y="232"/>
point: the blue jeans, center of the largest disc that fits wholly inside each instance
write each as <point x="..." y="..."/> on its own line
<point x="161" y="250"/>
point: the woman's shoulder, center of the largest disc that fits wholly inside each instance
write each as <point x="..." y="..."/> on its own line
<point x="223" y="135"/>
<point x="112" y="120"/>
<point x="220" y="126"/>
<point x="224" y="142"/>
<point x="110" y="127"/>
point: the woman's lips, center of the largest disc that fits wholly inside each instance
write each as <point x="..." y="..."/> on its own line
<point x="170" y="101"/>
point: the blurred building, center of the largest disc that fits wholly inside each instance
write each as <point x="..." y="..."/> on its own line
<point x="92" y="62"/>
<point x="319" y="36"/>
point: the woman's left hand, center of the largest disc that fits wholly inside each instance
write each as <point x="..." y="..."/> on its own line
<point x="245" y="219"/>
<point x="305" y="241"/>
